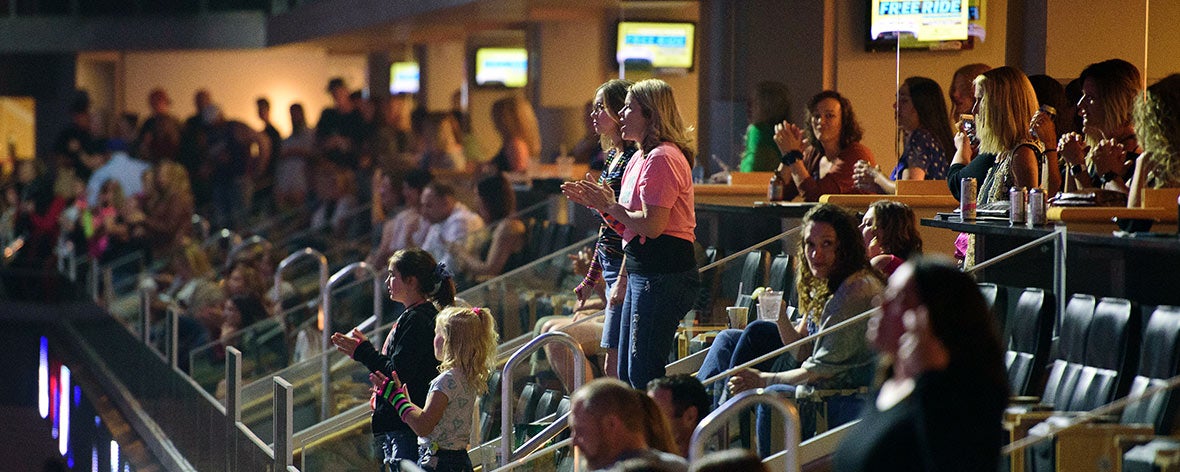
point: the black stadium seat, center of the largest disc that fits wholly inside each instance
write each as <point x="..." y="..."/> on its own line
<point x="1028" y="330"/>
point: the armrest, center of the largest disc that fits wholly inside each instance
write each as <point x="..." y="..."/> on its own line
<point x="1091" y="446"/>
<point x="1017" y="423"/>
<point x="1029" y="402"/>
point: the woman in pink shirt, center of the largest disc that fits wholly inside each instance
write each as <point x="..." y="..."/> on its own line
<point x="655" y="210"/>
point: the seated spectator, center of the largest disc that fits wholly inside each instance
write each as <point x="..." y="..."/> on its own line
<point x="1157" y="120"/>
<point x="450" y="221"/>
<point x="408" y="228"/>
<point x="684" y="402"/>
<point x="187" y="268"/>
<point x="926" y="134"/>
<point x="890" y="232"/>
<point x="1103" y="156"/>
<point x="818" y="160"/>
<point x="834" y="281"/>
<point x="204" y="305"/>
<point x="496" y="204"/>
<point x="612" y="422"/>
<point x="239" y="313"/>
<point x="770" y="104"/>
<point x="335" y="187"/>
<point x="245" y="281"/>
<point x="941" y="406"/>
<point x="121" y="167"/>
<point x="169" y="211"/>
<point x="440" y="145"/>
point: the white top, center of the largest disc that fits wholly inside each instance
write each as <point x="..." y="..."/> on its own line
<point x="454" y="428"/>
<point x="455" y="228"/>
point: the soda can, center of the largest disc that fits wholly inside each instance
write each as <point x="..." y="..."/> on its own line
<point x="967" y="196"/>
<point x="1018" y="210"/>
<point x="1036" y="207"/>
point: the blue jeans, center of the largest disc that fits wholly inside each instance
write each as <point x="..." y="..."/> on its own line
<point x="612" y="320"/>
<point x="840" y="410"/>
<point x="395" y="446"/>
<point x="654" y="306"/>
<point x="734" y="347"/>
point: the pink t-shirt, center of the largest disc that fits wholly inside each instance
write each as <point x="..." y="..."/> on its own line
<point x="663" y="179"/>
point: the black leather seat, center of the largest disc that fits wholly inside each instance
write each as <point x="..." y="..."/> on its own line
<point x="781" y="277"/>
<point x="1028" y="332"/>
<point x="752" y="276"/>
<point x="1071" y="350"/>
<point x="1159" y="360"/>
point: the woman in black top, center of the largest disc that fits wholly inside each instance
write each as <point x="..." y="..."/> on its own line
<point x="941" y="407"/>
<point x="424" y="287"/>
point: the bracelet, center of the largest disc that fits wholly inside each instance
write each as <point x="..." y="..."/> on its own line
<point x="1076" y="169"/>
<point x="790" y="157"/>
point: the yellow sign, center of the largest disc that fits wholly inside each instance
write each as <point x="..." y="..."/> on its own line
<point x="927" y="20"/>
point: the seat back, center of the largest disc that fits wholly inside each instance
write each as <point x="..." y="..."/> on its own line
<point x="526" y="405"/>
<point x="1071" y="350"/>
<point x="1159" y="360"/>
<point x="781" y="277"/>
<point x="1029" y="329"/>
<point x="753" y="276"/>
<point x="1113" y="329"/>
<point x="997" y="301"/>
<point x="547" y="405"/>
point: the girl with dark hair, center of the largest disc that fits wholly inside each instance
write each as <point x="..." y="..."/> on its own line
<point x="890" y="234"/>
<point x="940" y="409"/>
<point x="926" y="134"/>
<point x="818" y="160"/>
<point x="495" y="203"/>
<point x="424" y="287"/>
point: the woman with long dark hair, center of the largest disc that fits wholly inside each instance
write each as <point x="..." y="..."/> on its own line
<point x="940" y="407"/>
<point x="926" y="132"/>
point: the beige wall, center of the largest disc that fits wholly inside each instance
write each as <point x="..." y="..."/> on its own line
<point x="1108" y="33"/>
<point x="869" y="79"/>
<point x="236" y="78"/>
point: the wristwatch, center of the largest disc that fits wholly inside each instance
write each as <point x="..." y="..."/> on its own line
<point x="791" y="156"/>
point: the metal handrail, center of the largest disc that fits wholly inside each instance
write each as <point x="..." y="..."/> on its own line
<point x="506" y="404"/>
<point x="304" y="253"/>
<point x="721" y="416"/>
<point x="326" y="324"/>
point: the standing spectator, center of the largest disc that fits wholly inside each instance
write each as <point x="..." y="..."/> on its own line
<point x="159" y="137"/>
<point x="607" y="261"/>
<point x="291" y="168"/>
<point x="194" y="150"/>
<point x="440" y="148"/>
<point x="450" y="221"/>
<point x="264" y="176"/>
<point x="424" y="287"/>
<point x="232" y="148"/>
<point x="340" y="128"/>
<point x="819" y="159"/>
<point x="657" y="213"/>
<point x="76" y="146"/>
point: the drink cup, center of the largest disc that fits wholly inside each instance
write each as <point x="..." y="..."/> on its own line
<point x="738" y="315"/>
<point x="768" y="305"/>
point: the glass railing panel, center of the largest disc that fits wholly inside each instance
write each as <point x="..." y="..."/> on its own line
<point x="539" y="289"/>
<point x="264" y="347"/>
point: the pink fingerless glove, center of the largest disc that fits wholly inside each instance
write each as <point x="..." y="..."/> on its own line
<point x="398" y="397"/>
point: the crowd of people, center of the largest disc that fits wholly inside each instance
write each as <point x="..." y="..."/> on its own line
<point x="138" y="190"/>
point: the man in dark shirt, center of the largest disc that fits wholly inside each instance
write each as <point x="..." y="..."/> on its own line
<point x="264" y="175"/>
<point x="341" y="127"/>
<point x="159" y="138"/>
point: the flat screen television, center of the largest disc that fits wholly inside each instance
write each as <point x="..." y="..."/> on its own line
<point x="655" y="44"/>
<point x="924" y="24"/>
<point x="403" y="78"/>
<point x="501" y="67"/>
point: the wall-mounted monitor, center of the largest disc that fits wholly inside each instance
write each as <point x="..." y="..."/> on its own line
<point x="655" y="44"/>
<point x="501" y="67"/>
<point x="924" y="24"/>
<point x="403" y="78"/>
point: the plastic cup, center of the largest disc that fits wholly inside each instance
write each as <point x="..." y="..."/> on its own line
<point x="738" y="315"/>
<point x="768" y="305"/>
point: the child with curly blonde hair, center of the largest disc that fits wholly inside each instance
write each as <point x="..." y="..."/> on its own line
<point x="465" y="344"/>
